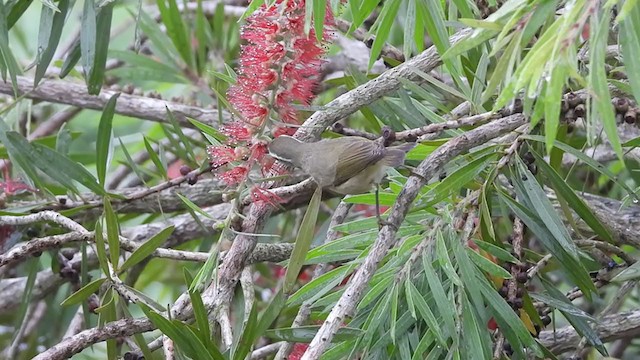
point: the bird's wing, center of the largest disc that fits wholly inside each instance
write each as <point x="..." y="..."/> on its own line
<point x="360" y="155"/>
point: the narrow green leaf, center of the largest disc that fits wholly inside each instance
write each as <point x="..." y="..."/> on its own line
<point x="7" y="60"/>
<point x="16" y="11"/>
<point x="103" y="36"/>
<point x="567" y="257"/>
<point x="444" y="305"/>
<point x="304" y="334"/>
<point x="209" y="130"/>
<point x="578" y="322"/>
<point x="630" y="44"/>
<point x="200" y="314"/>
<point x="83" y="293"/>
<point x="601" y="103"/>
<point x="101" y="249"/>
<point x="155" y="159"/>
<point x="71" y="60"/>
<point x="57" y="166"/>
<point x="271" y="313"/>
<point x="103" y="141"/>
<point x="490" y="267"/>
<point x="113" y="232"/>
<point x="303" y="241"/>
<point x="186" y="142"/>
<point x="147" y="248"/>
<point x="49" y="35"/>
<point x="383" y="25"/>
<point x="248" y="335"/>
<point x="88" y="37"/>
<point x="176" y="29"/>
<point x="585" y="159"/>
<point x="578" y="205"/>
<point x="425" y="311"/>
<point x="33" y="266"/>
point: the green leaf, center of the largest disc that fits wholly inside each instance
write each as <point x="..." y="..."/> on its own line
<point x="33" y="266"/>
<point x="183" y="336"/>
<point x="488" y="266"/>
<point x="155" y="159"/>
<point x="7" y="60"/>
<point x="579" y="322"/>
<point x="165" y="73"/>
<point x="176" y="29"/>
<point x="88" y="38"/>
<point x="443" y="303"/>
<point x="456" y="180"/>
<point x="585" y="159"/>
<point x="186" y="142"/>
<point x="304" y="334"/>
<point x="320" y="286"/>
<point x="425" y="311"/>
<point x="113" y="232"/>
<point x="562" y="189"/>
<point x="147" y="248"/>
<point x="101" y="249"/>
<point x="57" y="166"/>
<point x="319" y="11"/>
<point x="16" y="11"/>
<point x="271" y="313"/>
<point x="49" y="35"/>
<point x="194" y="207"/>
<point x="630" y="273"/>
<point x="248" y="335"/>
<point x="71" y="60"/>
<point x="201" y="315"/>
<point x="383" y="25"/>
<point x="206" y="129"/>
<point x="83" y="293"/>
<point x="630" y="44"/>
<point x="303" y="241"/>
<point x="601" y="102"/>
<point x="103" y="141"/>
<point x="562" y="305"/>
<point x="562" y="248"/>
<point x="496" y="251"/>
<point x="103" y="36"/>
<point x="18" y="157"/>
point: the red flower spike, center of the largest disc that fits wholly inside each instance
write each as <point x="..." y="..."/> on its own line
<point x="237" y="132"/>
<point x="260" y="195"/>
<point x="10" y="186"/>
<point x="297" y="351"/>
<point x="277" y="53"/>
<point x="235" y="175"/>
<point x="220" y="155"/>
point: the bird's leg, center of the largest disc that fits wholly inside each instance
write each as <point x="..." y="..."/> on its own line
<point x="381" y="222"/>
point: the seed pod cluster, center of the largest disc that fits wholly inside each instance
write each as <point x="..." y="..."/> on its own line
<point x="573" y="108"/>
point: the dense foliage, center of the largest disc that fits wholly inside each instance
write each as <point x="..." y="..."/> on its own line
<point x="142" y="215"/>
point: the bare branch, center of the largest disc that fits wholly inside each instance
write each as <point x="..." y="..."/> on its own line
<point x="70" y="93"/>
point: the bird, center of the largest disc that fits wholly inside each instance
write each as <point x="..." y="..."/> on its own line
<point x="346" y="165"/>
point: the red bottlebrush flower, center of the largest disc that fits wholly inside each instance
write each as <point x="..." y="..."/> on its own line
<point x="492" y="324"/>
<point x="258" y="151"/>
<point x="220" y="155"/>
<point x="278" y="62"/>
<point x="283" y="131"/>
<point x="260" y="195"/>
<point x="10" y="186"/>
<point x="237" y="132"/>
<point x="297" y="351"/>
<point x="235" y="175"/>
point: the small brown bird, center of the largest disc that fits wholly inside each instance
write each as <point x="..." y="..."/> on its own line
<point x="345" y="165"/>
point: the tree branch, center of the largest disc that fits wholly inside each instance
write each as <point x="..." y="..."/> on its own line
<point x="70" y="93"/>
